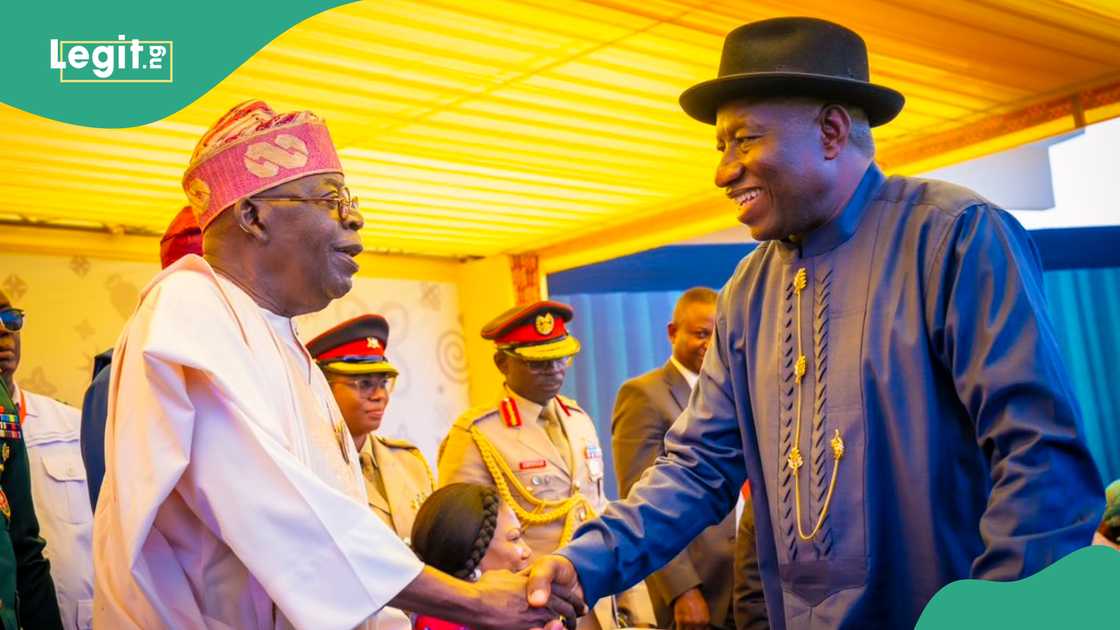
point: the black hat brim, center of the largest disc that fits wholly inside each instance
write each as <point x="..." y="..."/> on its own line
<point x="880" y="103"/>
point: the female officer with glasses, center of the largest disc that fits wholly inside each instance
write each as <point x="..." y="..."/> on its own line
<point x="352" y="356"/>
<point x="398" y="479"/>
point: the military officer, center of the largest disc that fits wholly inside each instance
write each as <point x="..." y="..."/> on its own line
<point x="398" y="479"/>
<point x="537" y="448"/>
<point x="352" y="356"/>
<point x="27" y="595"/>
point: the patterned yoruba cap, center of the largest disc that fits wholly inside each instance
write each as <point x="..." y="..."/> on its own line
<point x="183" y="236"/>
<point x="356" y="346"/>
<point x="534" y="332"/>
<point x="251" y="149"/>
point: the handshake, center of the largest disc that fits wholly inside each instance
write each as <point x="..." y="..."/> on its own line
<point x="545" y="596"/>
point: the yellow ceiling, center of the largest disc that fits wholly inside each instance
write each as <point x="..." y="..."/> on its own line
<point x="474" y="128"/>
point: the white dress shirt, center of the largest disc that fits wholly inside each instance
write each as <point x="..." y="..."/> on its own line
<point x="58" y="491"/>
<point x="689" y="376"/>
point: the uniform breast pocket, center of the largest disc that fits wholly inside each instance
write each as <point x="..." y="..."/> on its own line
<point x="543" y="483"/>
<point x="592" y="456"/>
<point x="66" y="487"/>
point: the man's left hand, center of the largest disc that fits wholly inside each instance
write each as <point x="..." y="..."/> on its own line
<point x="504" y="604"/>
<point x="550" y="573"/>
<point x="690" y="611"/>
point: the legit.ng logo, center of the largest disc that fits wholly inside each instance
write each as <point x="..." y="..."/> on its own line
<point x="112" y="61"/>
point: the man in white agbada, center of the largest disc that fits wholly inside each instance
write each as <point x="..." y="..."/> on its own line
<point x="232" y="498"/>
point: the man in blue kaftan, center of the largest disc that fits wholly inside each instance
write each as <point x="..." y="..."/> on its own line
<point x="883" y="369"/>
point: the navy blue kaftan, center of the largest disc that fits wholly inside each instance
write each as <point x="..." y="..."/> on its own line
<point x="929" y="359"/>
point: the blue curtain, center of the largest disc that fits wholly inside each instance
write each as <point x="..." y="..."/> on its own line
<point x="1085" y="308"/>
<point x="623" y="335"/>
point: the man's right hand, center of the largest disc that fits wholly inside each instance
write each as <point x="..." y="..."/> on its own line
<point x="554" y="575"/>
<point x="505" y="606"/>
<point x="690" y="611"/>
<point x="497" y="601"/>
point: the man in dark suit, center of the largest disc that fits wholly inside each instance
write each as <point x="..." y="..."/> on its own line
<point x="693" y="591"/>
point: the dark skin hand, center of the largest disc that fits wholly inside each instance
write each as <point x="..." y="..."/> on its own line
<point x="495" y="602"/>
<point x="690" y="611"/>
<point x="551" y="575"/>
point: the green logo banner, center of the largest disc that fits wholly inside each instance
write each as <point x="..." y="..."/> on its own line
<point x="1076" y="591"/>
<point x="126" y="63"/>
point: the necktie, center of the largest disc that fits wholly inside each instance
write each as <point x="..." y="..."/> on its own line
<point x="372" y="472"/>
<point x="556" y="433"/>
<point x="366" y="458"/>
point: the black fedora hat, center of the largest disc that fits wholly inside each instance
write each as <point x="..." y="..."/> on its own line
<point x="793" y="56"/>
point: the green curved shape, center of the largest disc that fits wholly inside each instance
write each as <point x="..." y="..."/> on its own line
<point x="210" y="39"/>
<point x="1080" y="588"/>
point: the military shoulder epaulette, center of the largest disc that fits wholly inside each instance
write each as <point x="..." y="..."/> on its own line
<point x="396" y="443"/>
<point x="474" y="415"/>
<point x="508" y="410"/>
<point x="567" y="404"/>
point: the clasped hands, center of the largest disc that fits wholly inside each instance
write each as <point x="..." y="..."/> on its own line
<point x="546" y="596"/>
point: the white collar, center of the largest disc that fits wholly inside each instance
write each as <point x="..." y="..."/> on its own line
<point x="24" y="399"/>
<point x="21" y="398"/>
<point x="690" y="377"/>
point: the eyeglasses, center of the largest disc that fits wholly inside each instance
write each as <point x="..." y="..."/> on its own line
<point x="344" y="204"/>
<point x="367" y="386"/>
<point x="11" y="319"/>
<point x="543" y="367"/>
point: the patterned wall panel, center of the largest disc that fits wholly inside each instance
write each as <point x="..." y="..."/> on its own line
<point x="75" y="309"/>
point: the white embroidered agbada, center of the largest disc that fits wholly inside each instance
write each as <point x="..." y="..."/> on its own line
<point x="227" y="502"/>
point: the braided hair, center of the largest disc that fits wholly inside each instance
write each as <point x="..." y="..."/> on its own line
<point x="454" y="527"/>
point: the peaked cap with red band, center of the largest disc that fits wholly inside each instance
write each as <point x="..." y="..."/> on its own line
<point x="252" y="149"/>
<point x="534" y="332"/>
<point x="356" y="346"/>
<point x="183" y="237"/>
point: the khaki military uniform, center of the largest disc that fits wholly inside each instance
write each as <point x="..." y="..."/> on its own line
<point x="398" y="480"/>
<point x="542" y="471"/>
